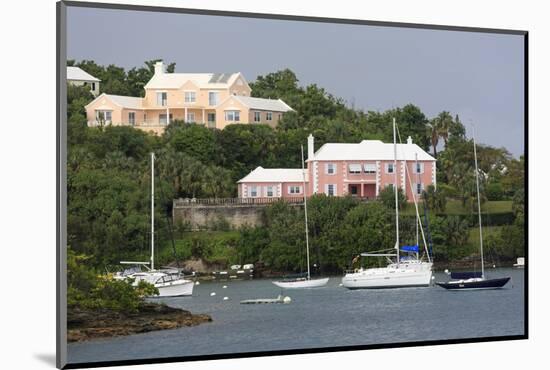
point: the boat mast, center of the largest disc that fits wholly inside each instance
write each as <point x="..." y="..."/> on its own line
<point x="395" y="191"/>
<point x="305" y="213"/>
<point x="415" y="192"/>
<point x="152" y="211"/>
<point x="478" y="207"/>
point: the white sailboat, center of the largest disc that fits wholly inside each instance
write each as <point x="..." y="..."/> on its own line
<point x="401" y="273"/>
<point x="474" y="280"/>
<point x="306" y="282"/>
<point x="170" y="283"/>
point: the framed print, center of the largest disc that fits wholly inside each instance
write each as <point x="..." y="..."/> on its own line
<point x="239" y="184"/>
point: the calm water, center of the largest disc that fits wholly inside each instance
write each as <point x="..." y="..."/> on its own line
<point x="323" y="317"/>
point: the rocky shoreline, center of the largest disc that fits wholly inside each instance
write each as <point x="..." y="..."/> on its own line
<point x="87" y="324"/>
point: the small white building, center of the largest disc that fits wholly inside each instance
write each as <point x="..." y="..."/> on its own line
<point x="78" y="77"/>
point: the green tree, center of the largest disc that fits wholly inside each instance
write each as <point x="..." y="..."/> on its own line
<point x="387" y="197"/>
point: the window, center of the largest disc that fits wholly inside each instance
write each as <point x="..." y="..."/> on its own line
<point x="269" y="116"/>
<point x="93" y="86"/>
<point x="330" y="189"/>
<point x="190" y="117"/>
<point x="190" y="96"/>
<point x="354" y="168"/>
<point x="269" y="191"/>
<point x="279" y="117"/>
<point x="389" y="168"/>
<point x="162" y="119"/>
<point x="330" y="168"/>
<point x="103" y="115"/>
<point x="162" y="99"/>
<point x="419" y="188"/>
<point x="213" y="98"/>
<point x="232" y="115"/>
<point x="419" y="168"/>
<point x="132" y="118"/>
<point x="370" y="168"/>
<point x="253" y="191"/>
<point x="257" y="116"/>
<point x="211" y="117"/>
<point x="389" y="186"/>
<point x="295" y="190"/>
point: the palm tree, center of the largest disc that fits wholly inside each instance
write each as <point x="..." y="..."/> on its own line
<point x="444" y="124"/>
<point x="433" y="133"/>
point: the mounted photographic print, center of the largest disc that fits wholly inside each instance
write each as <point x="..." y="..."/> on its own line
<point x="236" y="185"/>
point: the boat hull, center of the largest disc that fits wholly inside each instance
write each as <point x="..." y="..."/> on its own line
<point x="301" y="284"/>
<point x="389" y="277"/>
<point x="477" y="284"/>
<point x="176" y="288"/>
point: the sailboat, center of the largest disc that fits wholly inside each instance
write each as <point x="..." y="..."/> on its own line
<point x="474" y="280"/>
<point x="404" y="272"/>
<point x="306" y="282"/>
<point x="170" y="283"/>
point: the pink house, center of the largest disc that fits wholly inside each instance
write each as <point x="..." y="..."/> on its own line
<point x="341" y="169"/>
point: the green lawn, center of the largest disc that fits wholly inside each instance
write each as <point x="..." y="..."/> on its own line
<point x="454" y="207"/>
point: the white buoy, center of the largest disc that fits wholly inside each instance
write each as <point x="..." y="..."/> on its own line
<point x="340" y="284"/>
<point x="197" y="283"/>
<point x="447" y="271"/>
<point x="224" y="287"/>
<point x="433" y="277"/>
<point x="212" y="294"/>
<point x="494" y="266"/>
<point x="287" y="300"/>
<point x="225" y="298"/>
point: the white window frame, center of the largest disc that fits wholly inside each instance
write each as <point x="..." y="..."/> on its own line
<point x="328" y="190"/>
<point x="419" y="166"/>
<point x="294" y="189"/>
<point x="162" y="98"/>
<point x="329" y="166"/>
<point x="233" y="115"/>
<point x="388" y="165"/>
<point x="257" y="116"/>
<point x="190" y="117"/>
<point x="190" y="96"/>
<point x="253" y="191"/>
<point x="269" y="189"/>
<point x="268" y="116"/>
<point x="132" y="121"/>
<point x="369" y="168"/>
<point x="211" y="114"/>
<point x="101" y="115"/>
<point x="357" y="168"/>
<point x="216" y="100"/>
<point x="418" y="190"/>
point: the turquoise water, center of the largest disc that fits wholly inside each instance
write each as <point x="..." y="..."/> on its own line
<point x="323" y="317"/>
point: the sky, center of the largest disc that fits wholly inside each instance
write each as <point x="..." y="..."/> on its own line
<point x="478" y="76"/>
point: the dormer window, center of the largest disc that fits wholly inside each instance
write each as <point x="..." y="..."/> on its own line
<point x="162" y="99"/>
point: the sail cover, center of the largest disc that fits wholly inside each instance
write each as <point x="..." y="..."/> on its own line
<point x="410" y="248"/>
<point x="465" y="275"/>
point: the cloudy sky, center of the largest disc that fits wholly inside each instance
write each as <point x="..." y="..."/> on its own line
<point x="478" y="76"/>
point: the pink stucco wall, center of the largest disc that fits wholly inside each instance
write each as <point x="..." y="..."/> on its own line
<point x="366" y="184"/>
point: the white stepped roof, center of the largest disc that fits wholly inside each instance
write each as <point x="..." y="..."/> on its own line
<point x="261" y="174"/>
<point x="75" y="73"/>
<point x="276" y="105"/>
<point x="130" y="102"/>
<point x="369" y="150"/>
<point x="202" y="80"/>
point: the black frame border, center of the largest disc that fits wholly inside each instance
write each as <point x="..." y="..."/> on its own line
<point x="61" y="217"/>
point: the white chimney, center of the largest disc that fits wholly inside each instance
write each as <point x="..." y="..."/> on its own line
<point x="310" y="148"/>
<point x="159" y="68"/>
<point x="409" y="140"/>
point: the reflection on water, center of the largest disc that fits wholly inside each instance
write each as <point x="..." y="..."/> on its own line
<point x="323" y="317"/>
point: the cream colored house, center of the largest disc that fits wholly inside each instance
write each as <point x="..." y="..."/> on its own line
<point x="213" y="99"/>
<point x="78" y="77"/>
